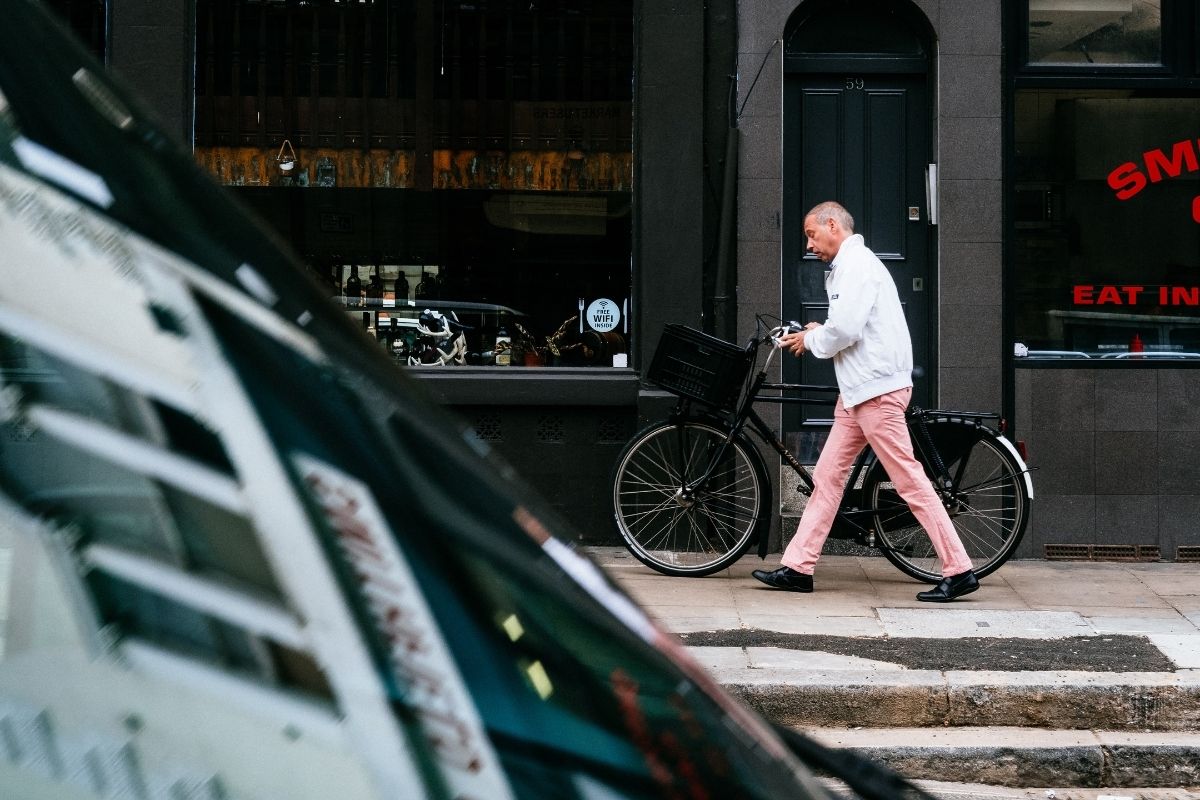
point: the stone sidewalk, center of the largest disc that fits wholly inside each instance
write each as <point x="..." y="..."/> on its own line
<point x="1009" y="723"/>
<point x="868" y="597"/>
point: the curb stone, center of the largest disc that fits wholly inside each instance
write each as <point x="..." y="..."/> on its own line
<point x="925" y="698"/>
<point x="1018" y="757"/>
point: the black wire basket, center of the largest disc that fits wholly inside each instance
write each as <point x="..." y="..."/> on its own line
<point x="704" y="368"/>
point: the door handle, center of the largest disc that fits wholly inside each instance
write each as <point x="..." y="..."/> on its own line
<point x="931" y="192"/>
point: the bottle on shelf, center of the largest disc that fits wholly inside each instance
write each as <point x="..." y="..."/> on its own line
<point x="503" y="348"/>
<point x="354" y="288"/>
<point x="425" y="287"/>
<point x="400" y="288"/>
<point x="375" y="289"/>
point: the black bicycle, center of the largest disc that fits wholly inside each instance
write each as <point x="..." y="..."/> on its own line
<point x="690" y="493"/>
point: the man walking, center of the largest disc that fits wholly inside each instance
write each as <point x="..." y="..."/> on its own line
<point x="867" y="338"/>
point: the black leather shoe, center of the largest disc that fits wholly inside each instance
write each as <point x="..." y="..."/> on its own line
<point x="950" y="588"/>
<point x="785" y="578"/>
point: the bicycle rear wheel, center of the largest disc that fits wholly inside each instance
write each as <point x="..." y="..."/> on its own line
<point x="988" y="503"/>
<point x="683" y="534"/>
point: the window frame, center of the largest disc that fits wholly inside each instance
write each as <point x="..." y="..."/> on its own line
<point x="1174" y="52"/>
<point x="1179" y="73"/>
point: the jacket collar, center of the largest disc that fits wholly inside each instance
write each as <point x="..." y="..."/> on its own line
<point x="852" y="242"/>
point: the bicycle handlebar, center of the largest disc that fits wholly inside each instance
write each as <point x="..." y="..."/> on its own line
<point x="773" y="334"/>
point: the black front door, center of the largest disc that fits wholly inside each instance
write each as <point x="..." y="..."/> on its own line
<point x="863" y="140"/>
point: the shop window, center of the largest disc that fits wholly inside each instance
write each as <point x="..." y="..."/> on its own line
<point x="459" y="180"/>
<point x="1095" y="32"/>
<point x="1106" y="214"/>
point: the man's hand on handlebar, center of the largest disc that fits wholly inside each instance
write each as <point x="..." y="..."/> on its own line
<point x="794" y="340"/>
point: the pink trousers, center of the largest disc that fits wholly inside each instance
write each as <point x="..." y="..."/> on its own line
<point x="880" y="423"/>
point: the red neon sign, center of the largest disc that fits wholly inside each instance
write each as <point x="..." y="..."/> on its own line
<point x="1130" y="178"/>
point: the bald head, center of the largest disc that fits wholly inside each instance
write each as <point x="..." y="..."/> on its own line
<point x="825" y="228"/>
<point x="830" y="210"/>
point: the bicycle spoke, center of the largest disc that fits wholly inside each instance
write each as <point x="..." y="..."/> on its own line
<point x="651" y="513"/>
<point x="999" y="529"/>
<point x="661" y="536"/>
<point x="987" y="483"/>
<point x="701" y="536"/>
<point x="720" y="521"/>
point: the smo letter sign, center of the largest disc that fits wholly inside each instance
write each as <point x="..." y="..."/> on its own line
<point x="1130" y="178"/>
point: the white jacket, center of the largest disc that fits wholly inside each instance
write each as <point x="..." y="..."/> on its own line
<point x="866" y="334"/>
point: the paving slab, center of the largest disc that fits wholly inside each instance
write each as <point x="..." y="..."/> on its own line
<point x="772" y="658"/>
<point x="1187" y="605"/>
<point x="861" y="626"/>
<point x="728" y="659"/>
<point x="958" y="622"/>
<point x="750" y="595"/>
<point x="684" y="592"/>
<point x="1087" y="587"/>
<point x="1154" y="621"/>
<point x="1183" y="649"/>
<point x="1170" y="580"/>
<point x="721" y="659"/>
<point x="688" y="619"/>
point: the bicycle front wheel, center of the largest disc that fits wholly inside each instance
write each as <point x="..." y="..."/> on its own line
<point x="988" y="503"/>
<point x="681" y="532"/>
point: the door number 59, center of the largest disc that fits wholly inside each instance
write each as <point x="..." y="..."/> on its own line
<point x="854" y="83"/>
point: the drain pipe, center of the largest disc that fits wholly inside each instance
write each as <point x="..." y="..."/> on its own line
<point x="725" y="296"/>
<point x="725" y="291"/>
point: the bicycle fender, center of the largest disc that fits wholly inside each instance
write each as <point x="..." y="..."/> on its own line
<point x="1012" y="450"/>
<point x="1009" y="446"/>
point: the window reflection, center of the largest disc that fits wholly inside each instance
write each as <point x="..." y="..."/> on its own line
<point x="1082" y="32"/>
<point x="1107" y="244"/>
<point x="529" y="279"/>
<point x="498" y="187"/>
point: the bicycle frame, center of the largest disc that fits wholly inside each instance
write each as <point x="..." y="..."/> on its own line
<point x="846" y="524"/>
